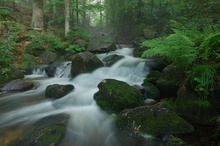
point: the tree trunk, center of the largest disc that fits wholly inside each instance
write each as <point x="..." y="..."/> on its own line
<point x="77" y="12"/>
<point x="37" y="22"/>
<point x="67" y="16"/>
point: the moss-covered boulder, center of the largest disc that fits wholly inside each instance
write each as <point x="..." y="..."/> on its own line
<point x="154" y="120"/>
<point x="152" y="77"/>
<point x="46" y="132"/>
<point x="115" y="96"/>
<point x="168" y="80"/>
<point x="151" y="91"/>
<point x="57" y="91"/>
<point x="190" y="104"/>
<point x="84" y="62"/>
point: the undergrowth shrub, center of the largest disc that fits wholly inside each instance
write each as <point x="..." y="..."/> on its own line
<point x="41" y="42"/>
<point x="202" y="78"/>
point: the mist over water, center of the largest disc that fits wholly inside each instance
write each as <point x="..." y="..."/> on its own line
<point x="88" y="124"/>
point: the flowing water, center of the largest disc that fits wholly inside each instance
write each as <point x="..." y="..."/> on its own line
<point x="88" y="124"/>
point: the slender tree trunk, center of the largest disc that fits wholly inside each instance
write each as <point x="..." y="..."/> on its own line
<point x="67" y="16"/>
<point x="37" y="22"/>
<point x="101" y="16"/>
<point x="77" y="12"/>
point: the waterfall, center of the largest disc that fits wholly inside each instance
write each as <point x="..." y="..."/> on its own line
<point x="88" y="124"/>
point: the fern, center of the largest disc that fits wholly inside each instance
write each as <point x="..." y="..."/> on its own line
<point x="210" y="46"/>
<point x="203" y="78"/>
<point x="177" y="48"/>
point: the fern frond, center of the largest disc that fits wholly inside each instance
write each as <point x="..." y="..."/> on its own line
<point x="178" y="48"/>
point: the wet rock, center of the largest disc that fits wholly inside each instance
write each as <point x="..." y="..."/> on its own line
<point x="35" y="68"/>
<point x="111" y="59"/>
<point x="84" y="62"/>
<point x="57" y="91"/>
<point x="48" y="57"/>
<point x="138" y="51"/>
<point x="154" y="120"/>
<point x="115" y="96"/>
<point x="152" y="76"/>
<point x="46" y="132"/>
<point x="151" y="91"/>
<point x="18" y="85"/>
<point x="156" y="64"/>
<point x="168" y="80"/>
<point x="51" y="68"/>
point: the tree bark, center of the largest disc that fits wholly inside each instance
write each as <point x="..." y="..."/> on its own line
<point x="67" y="16"/>
<point x="37" y="22"/>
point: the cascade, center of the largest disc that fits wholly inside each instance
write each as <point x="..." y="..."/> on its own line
<point x="88" y="124"/>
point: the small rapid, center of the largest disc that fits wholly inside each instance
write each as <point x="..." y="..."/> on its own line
<point x="88" y="124"/>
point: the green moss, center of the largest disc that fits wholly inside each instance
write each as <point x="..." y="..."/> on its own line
<point x="116" y="95"/>
<point x="192" y="105"/>
<point x="152" y="120"/>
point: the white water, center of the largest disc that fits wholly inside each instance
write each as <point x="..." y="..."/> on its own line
<point x="88" y="124"/>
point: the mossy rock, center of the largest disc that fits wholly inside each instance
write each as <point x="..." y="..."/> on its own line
<point x="115" y="96"/>
<point x="138" y="51"/>
<point x="192" y="105"/>
<point x="168" y="80"/>
<point x="57" y="91"/>
<point x="152" y="120"/>
<point x="151" y="91"/>
<point x="152" y="77"/>
<point x="156" y="64"/>
<point x="48" y="131"/>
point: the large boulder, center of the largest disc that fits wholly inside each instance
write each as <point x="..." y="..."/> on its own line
<point x="153" y="120"/>
<point x="48" y="57"/>
<point x="18" y="85"/>
<point x="46" y="132"/>
<point x="115" y="96"/>
<point x="57" y="91"/>
<point x="192" y="105"/>
<point x="84" y="62"/>
<point x="168" y="80"/>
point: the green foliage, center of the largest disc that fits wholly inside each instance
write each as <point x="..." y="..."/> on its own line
<point x="76" y="34"/>
<point x="177" y="48"/>
<point x="203" y="78"/>
<point x="75" y="48"/>
<point x="41" y="42"/>
<point x="210" y="47"/>
<point x="7" y="54"/>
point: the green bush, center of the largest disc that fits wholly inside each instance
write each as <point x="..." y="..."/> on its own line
<point x="75" y="48"/>
<point x="41" y="42"/>
<point x="7" y="58"/>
